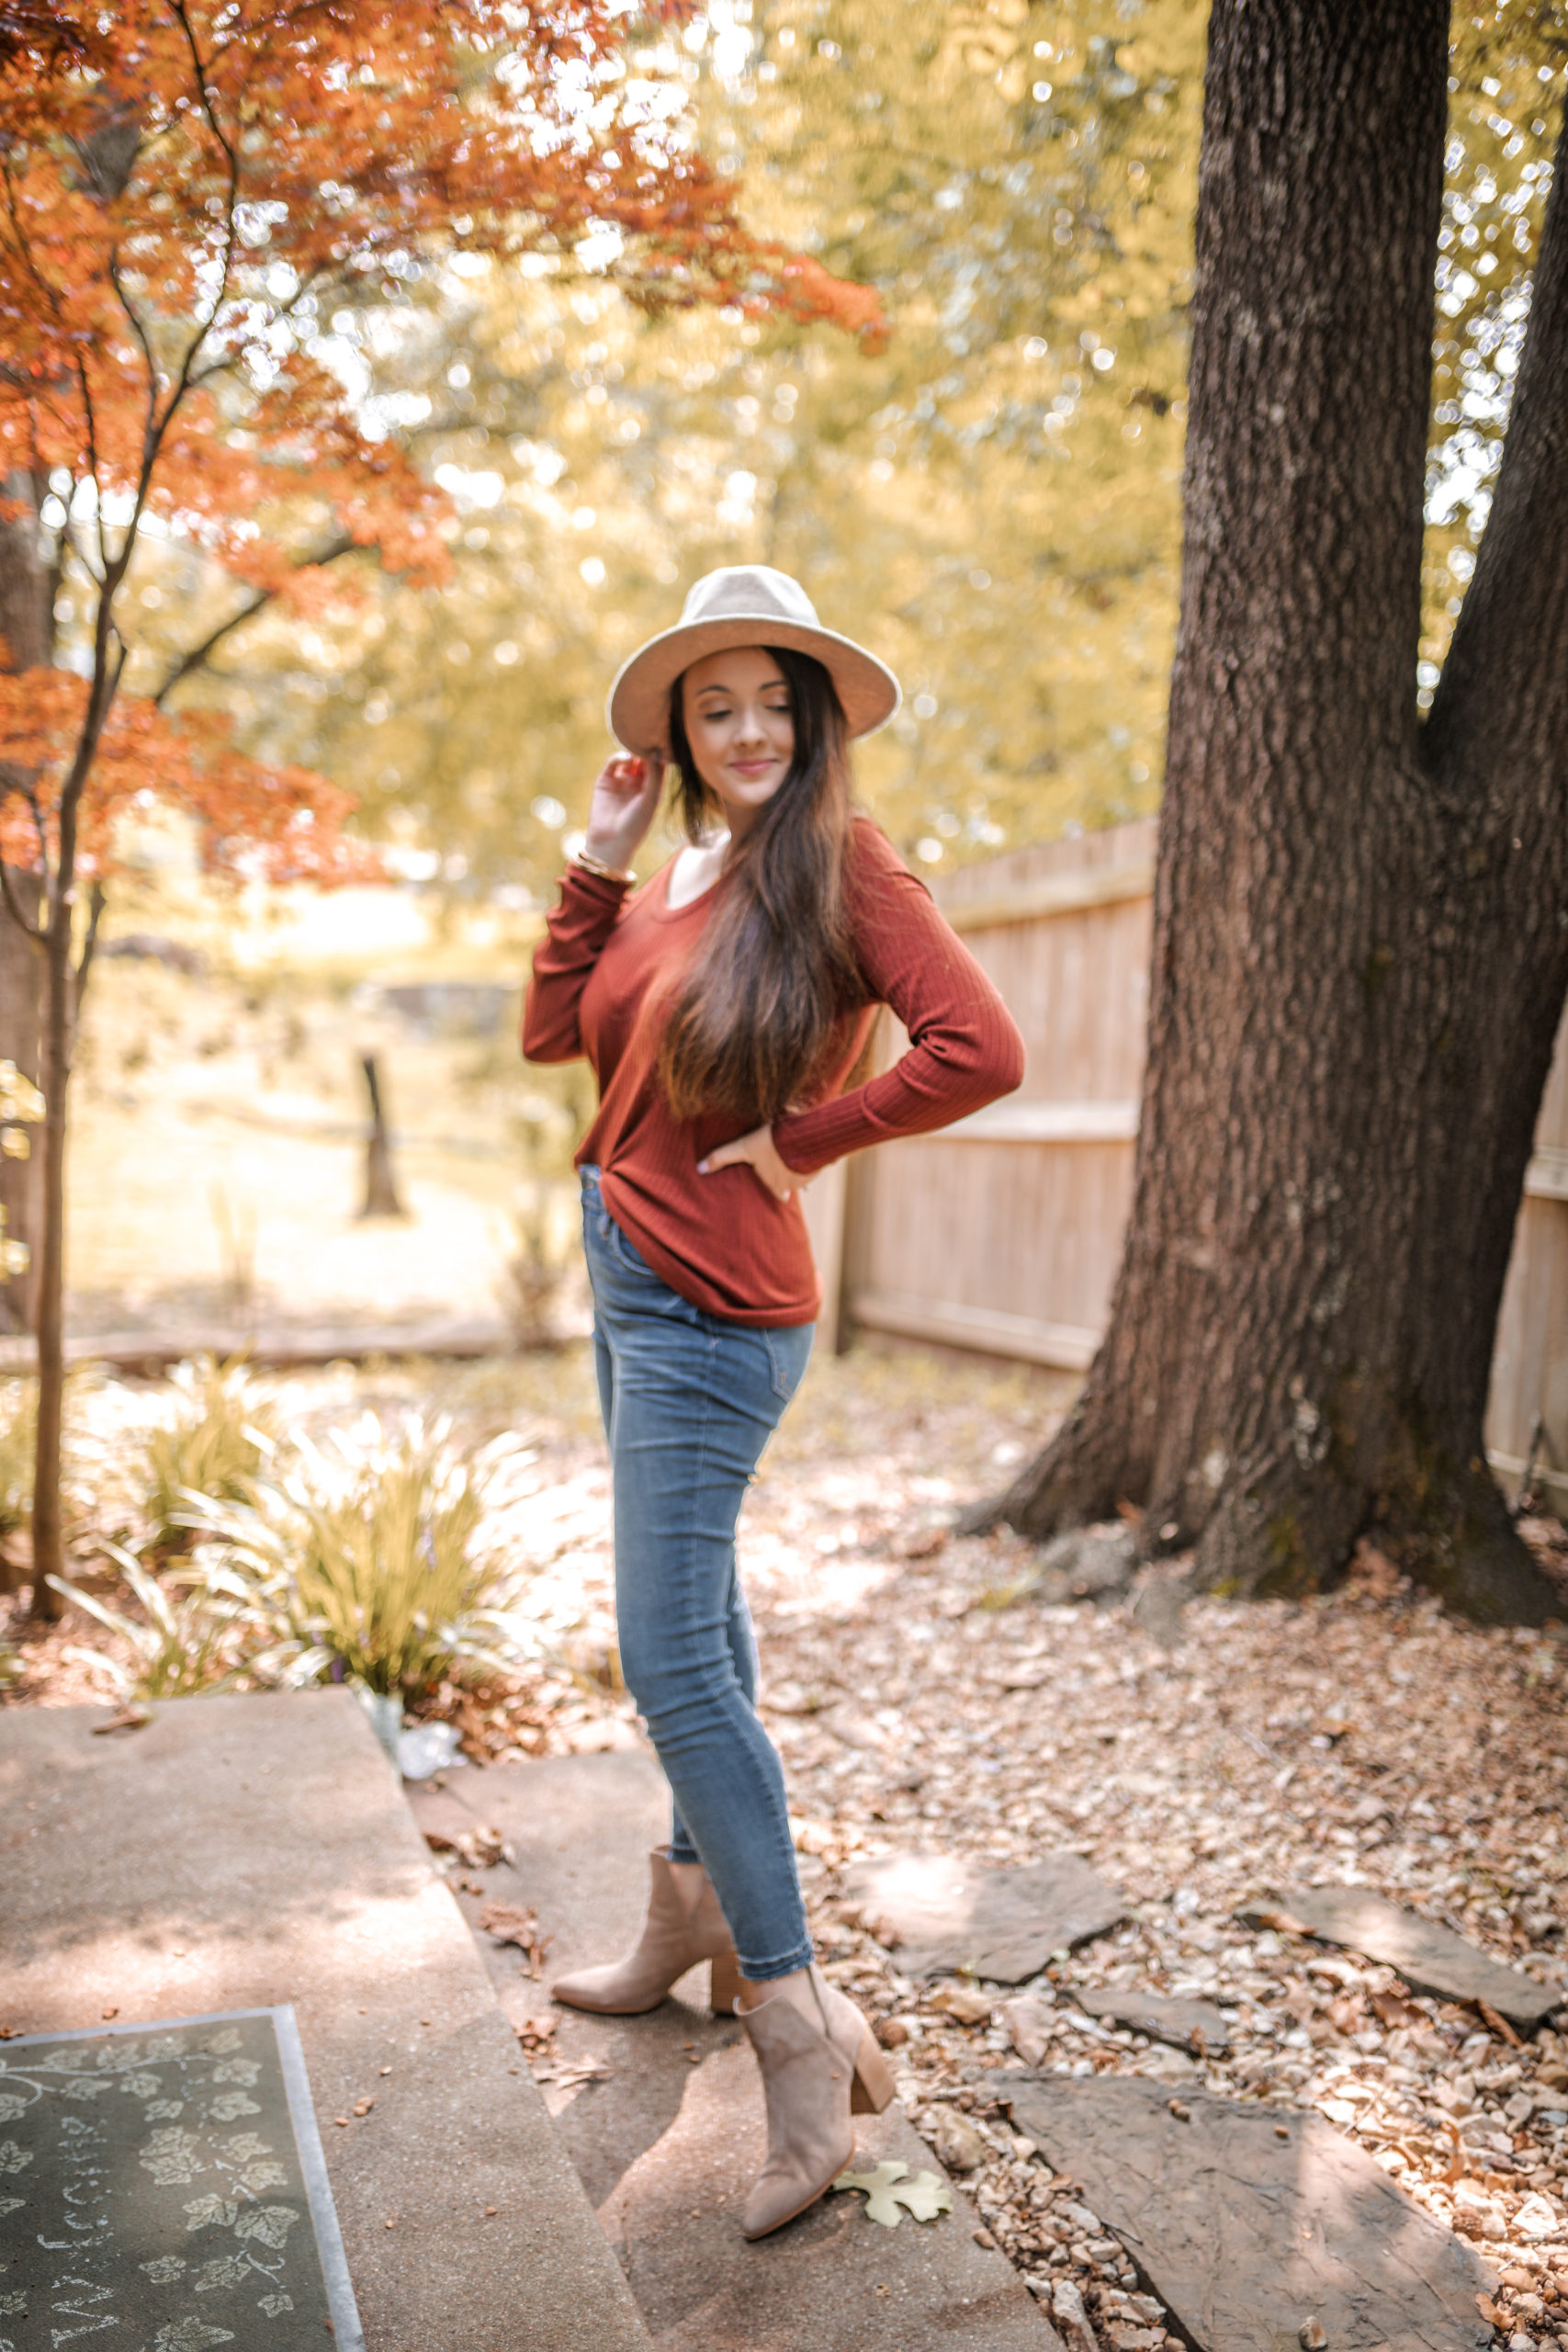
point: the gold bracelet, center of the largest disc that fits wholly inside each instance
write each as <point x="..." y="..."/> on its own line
<point x="592" y="864"/>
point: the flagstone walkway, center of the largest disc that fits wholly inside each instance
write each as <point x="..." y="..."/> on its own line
<point x="662" y="2115"/>
<point x="234" y="1853"/>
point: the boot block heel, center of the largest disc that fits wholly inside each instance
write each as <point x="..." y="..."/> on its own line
<point x="724" y="1983"/>
<point x="872" y="2087"/>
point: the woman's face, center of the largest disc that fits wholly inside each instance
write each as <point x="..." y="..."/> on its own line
<point x="737" y="714"/>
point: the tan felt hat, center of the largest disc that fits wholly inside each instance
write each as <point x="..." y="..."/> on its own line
<point x="745" y="603"/>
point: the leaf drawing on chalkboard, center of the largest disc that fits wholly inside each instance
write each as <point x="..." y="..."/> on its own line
<point x="190" y="2335"/>
<point x="267" y="2173"/>
<point x="14" y="2158"/>
<point x="171" y="2156"/>
<point x="232" y="2104"/>
<point x="272" y="2225"/>
<point x="237" y="2070"/>
<point x="209" y="2211"/>
<point x="224" y="2270"/>
<point x="923" y="2196"/>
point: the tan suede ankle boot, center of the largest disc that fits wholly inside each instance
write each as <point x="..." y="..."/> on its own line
<point x="676" y="1934"/>
<point x="821" y="2065"/>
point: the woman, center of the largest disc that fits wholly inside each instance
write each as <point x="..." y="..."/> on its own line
<point x="723" y="1006"/>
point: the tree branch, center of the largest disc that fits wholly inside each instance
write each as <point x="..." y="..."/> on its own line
<point x="263" y="597"/>
<point x="1501" y="706"/>
<point x="14" y="908"/>
<point x="94" y="915"/>
<point x="231" y="158"/>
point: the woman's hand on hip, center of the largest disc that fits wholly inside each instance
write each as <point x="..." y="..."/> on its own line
<point x="760" y="1153"/>
<point x="625" y="795"/>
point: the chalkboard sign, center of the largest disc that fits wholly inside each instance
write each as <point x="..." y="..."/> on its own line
<point x="165" y="2182"/>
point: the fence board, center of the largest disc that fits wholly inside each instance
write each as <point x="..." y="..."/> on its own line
<point x="1003" y="1233"/>
<point x="1529" y="1363"/>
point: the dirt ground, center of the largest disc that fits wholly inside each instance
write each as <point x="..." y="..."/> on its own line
<point x="216" y="1170"/>
<point x="1363" y="1738"/>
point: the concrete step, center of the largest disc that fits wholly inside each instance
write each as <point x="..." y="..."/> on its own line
<point x="668" y="2137"/>
<point x="238" y="1852"/>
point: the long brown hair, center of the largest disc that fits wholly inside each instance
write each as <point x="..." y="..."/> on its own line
<point x="776" y="969"/>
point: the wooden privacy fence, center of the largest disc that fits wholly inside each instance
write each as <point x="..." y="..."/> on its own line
<point x="1003" y="1233"/>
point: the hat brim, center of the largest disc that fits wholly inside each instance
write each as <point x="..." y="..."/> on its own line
<point x="638" y="706"/>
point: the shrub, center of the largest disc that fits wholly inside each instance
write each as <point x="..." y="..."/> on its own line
<point x="365" y="1562"/>
<point x="218" y="1443"/>
<point x="187" y="1644"/>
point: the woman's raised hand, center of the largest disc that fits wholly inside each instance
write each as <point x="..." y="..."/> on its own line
<point x="761" y="1154"/>
<point x="625" y="795"/>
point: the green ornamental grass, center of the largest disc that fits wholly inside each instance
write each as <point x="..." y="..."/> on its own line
<point x="181" y="1644"/>
<point x="365" y="1562"/>
<point x="222" y="1434"/>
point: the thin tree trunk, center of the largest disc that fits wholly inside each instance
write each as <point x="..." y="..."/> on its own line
<point x="28" y="583"/>
<point x="49" y="1528"/>
<point x="380" y="1190"/>
<point x="21" y="982"/>
<point x="1359" y="958"/>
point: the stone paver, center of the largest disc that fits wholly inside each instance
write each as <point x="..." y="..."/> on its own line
<point x="1431" y="1958"/>
<point x="669" y="2139"/>
<point x="1164" y="2017"/>
<point x="241" y="1851"/>
<point x="1252" y="2223"/>
<point x="947" y="1913"/>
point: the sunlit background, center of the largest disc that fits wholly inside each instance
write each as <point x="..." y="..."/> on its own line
<point x="991" y="500"/>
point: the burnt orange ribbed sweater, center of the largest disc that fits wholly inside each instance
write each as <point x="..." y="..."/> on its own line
<point x="601" y="980"/>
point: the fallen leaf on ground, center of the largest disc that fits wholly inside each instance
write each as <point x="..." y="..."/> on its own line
<point x="1499" y="2025"/>
<point x="1392" y="2010"/>
<point x="962" y="2002"/>
<point x="127" y="1719"/>
<point x="511" y="1923"/>
<point x="921" y="2195"/>
<point x="480" y="1848"/>
<point x="569" y="2074"/>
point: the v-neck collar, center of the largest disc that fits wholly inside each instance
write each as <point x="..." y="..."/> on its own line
<point x="663" y="912"/>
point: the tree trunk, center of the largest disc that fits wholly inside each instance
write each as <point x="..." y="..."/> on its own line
<point x="28" y="587"/>
<point x="21" y="1039"/>
<point x="380" y="1191"/>
<point x="1359" y="951"/>
<point x="49" y="1521"/>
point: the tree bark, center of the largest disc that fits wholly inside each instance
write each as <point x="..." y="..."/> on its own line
<point x="28" y="586"/>
<point x="59" y="1024"/>
<point x="1359" y="951"/>
<point x="21" y="1041"/>
<point x="381" y="1188"/>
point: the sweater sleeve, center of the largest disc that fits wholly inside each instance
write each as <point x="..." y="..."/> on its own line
<point x="575" y="932"/>
<point x="964" y="1049"/>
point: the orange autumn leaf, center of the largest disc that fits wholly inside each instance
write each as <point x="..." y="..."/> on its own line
<point x="185" y="192"/>
<point x="277" y="824"/>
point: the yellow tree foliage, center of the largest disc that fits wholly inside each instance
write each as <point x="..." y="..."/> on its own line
<point x="992" y="496"/>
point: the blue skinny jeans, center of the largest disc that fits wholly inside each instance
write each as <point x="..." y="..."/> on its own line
<point x="689" y="1400"/>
